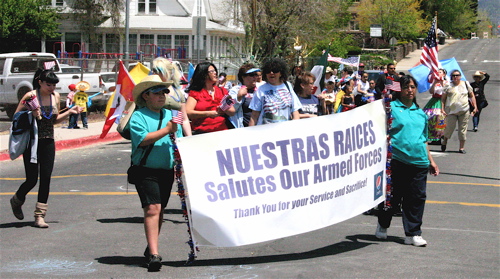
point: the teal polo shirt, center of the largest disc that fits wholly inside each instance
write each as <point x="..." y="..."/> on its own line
<point x="409" y="134"/>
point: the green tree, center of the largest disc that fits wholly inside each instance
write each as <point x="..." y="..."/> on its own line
<point x="401" y="19"/>
<point x="24" y="22"/>
<point x="455" y="17"/>
<point x="274" y="26"/>
<point x="91" y="13"/>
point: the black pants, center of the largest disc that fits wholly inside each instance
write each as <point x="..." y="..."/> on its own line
<point x="46" y="155"/>
<point x="409" y="185"/>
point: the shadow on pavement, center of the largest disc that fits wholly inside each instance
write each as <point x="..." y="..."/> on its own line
<point x="122" y="220"/>
<point x="22" y="224"/>
<point x="468" y="175"/>
<point x="337" y="248"/>
<point x="16" y="225"/>
<point x="122" y="260"/>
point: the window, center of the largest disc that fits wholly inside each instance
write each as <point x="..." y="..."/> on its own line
<point x="181" y="44"/>
<point x="165" y="41"/>
<point x="59" y="3"/>
<point x="112" y="43"/>
<point x="146" y="7"/>
<point x="31" y="64"/>
<point x="2" y="63"/>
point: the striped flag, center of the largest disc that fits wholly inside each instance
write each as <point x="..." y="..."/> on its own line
<point x="226" y="102"/>
<point x="429" y="57"/>
<point x="394" y="86"/>
<point x="49" y="65"/>
<point x="178" y="119"/>
<point x="351" y="61"/>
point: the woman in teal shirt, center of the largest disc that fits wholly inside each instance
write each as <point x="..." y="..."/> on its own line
<point x="150" y="127"/>
<point x="411" y="160"/>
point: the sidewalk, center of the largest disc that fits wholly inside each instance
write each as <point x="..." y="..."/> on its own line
<point x="69" y="138"/>
<point x="412" y="59"/>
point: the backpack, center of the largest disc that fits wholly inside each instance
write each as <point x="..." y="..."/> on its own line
<point x="124" y="125"/>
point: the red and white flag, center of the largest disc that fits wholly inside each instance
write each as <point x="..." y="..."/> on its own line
<point x="394" y="86"/>
<point x="49" y="65"/>
<point x="429" y="56"/>
<point x="226" y="102"/>
<point x="178" y="119"/>
<point x="123" y="93"/>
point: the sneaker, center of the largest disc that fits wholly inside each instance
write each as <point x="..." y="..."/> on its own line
<point x="416" y="240"/>
<point x="154" y="263"/>
<point x="475" y="129"/>
<point x="381" y="233"/>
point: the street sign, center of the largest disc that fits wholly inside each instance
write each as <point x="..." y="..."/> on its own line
<point x="375" y="30"/>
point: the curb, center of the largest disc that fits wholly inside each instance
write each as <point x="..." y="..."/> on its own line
<point x="74" y="143"/>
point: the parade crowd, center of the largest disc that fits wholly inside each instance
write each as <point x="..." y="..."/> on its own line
<point x="263" y="95"/>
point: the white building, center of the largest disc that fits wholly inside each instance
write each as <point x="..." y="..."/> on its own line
<point x="160" y="27"/>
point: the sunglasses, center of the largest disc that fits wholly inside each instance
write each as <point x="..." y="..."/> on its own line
<point x="252" y="75"/>
<point x="391" y="68"/>
<point x="456" y="75"/>
<point x="159" y="90"/>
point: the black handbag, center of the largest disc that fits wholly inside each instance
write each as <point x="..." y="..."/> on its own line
<point x="136" y="173"/>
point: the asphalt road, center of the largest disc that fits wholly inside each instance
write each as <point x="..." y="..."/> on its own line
<point x="96" y="224"/>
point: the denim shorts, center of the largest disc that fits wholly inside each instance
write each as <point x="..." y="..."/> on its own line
<point x="155" y="187"/>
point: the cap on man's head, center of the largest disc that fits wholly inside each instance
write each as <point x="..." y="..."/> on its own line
<point x="361" y="64"/>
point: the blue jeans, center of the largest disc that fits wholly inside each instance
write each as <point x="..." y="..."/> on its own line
<point x="475" y="118"/>
<point x="409" y="185"/>
<point x="73" y="119"/>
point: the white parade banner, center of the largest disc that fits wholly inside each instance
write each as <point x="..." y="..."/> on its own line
<point x="261" y="183"/>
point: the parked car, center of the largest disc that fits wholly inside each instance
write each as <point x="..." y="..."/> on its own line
<point x="373" y="74"/>
<point x="67" y="69"/>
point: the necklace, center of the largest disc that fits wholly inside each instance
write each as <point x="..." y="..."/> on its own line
<point x="49" y="115"/>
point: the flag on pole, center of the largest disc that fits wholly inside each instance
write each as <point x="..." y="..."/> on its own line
<point x="429" y="56"/>
<point x="123" y="93"/>
<point x="394" y="86"/>
<point x="351" y="61"/>
<point x="319" y="71"/>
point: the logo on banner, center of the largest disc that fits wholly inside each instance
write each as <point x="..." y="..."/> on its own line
<point x="378" y="185"/>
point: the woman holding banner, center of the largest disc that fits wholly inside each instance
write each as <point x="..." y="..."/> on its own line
<point x="203" y="103"/>
<point x="410" y="163"/>
<point x="243" y="94"/>
<point x="152" y="153"/>
<point x="274" y="101"/>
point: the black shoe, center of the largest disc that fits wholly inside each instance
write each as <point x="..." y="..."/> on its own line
<point x="443" y="147"/>
<point x="146" y="253"/>
<point x="475" y="129"/>
<point x="462" y="151"/>
<point x="154" y="263"/>
<point x="77" y="127"/>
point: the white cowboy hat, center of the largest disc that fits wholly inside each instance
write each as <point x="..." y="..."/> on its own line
<point x="478" y="74"/>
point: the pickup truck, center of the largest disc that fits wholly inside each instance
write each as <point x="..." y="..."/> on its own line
<point x="16" y="77"/>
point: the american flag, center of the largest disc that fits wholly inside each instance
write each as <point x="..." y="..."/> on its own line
<point x="351" y="61"/>
<point x="395" y="86"/>
<point x="429" y="56"/>
<point x="49" y="64"/>
<point x="178" y="119"/>
<point x="226" y="102"/>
